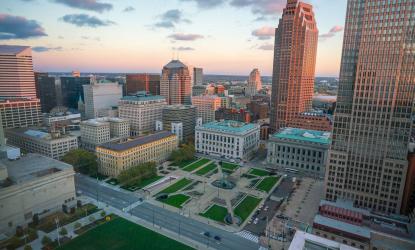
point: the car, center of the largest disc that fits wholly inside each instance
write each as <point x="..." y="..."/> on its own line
<point x="256" y="221"/>
<point x="207" y="234"/>
<point x="217" y="237"/>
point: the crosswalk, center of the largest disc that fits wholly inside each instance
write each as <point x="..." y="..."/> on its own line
<point x="248" y="235"/>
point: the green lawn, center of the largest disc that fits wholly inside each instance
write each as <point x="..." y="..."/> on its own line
<point x="175" y="200"/>
<point x="185" y="163"/>
<point x="196" y="165"/>
<point x="142" y="183"/>
<point x="245" y="208"/>
<point x="206" y="169"/>
<point x="216" y="212"/>
<point x="229" y="166"/>
<point x="120" y="234"/>
<point x="267" y="183"/>
<point x="176" y="186"/>
<point x="259" y="172"/>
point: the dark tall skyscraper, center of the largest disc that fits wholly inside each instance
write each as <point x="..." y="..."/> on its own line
<point x="71" y="90"/>
<point x="372" y="126"/>
<point x="45" y="91"/>
<point x="294" y="63"/>
<point x="142" y="82"/>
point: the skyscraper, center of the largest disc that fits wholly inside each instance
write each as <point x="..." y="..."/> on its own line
<point x="254" y="83"/>
<point x="46" y="91"/>
<point x="71" y="88"/>
<point x="16" y="72"/>
<point x="175" y="83"/>
<point x="142" y="82"/>
<point x="197" y="76"/>
<point x="294" y="63"/>
<point x="372" y="126"/>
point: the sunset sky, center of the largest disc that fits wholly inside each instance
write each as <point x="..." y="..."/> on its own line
<point x="222" y="36"/>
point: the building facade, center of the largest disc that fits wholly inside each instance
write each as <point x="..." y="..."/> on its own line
<point x="228" y="139"/>
<point x="19" y="113"/>
<point x="294" y="63"/>
<point x="372" y="125"/>
<point x="303" y="150"/>
<point x="100" y="97"/>
<point x="312" y="120"/>
<point x="185" y="114"/>
<point x="142" y="110"/>
<point x="54" y="145"/>
<point x="240" y="115"/>
<point x="38" y="186"/>
<point x="198" y="90"/>
<point x="175" y="83"/>
<point x="197" y="76"/>
<point x="150" y="83"/>
<point x="71" y="89"/>
<point x="206" y="106"/>
<point x="95" y="132"/>
<point x="115" y="157"/>
<point x="16" y="72"/>
<point x="254" y="83"/>
<point x="46" y="91"/>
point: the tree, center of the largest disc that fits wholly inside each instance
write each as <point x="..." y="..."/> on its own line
<point x="63" y="231"/>
<point x="138" y="173"/>
<point x="185" y="153"/>
<point x="14" y="242"/>
<point x="32" y="233"/>
<point x="103" y="214"/>
<point x="27" y="247"/>
<point x="83" y="161"/>
<point x="46" y="240"/>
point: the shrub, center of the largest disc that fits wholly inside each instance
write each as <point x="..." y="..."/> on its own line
<point x="103" y="214"/>
<point x="63" y="231"/>
<point x="46" y="240"/>
<point x="27" y="247"/>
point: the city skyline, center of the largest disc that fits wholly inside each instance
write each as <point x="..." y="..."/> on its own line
<point x="197" y="32"/>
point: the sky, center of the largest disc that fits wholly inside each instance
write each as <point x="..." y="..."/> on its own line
<point x="222" y="36"/>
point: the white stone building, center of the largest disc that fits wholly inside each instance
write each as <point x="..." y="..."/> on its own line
<point x="35" y="186"/>
<point x="100" y="97"/>
<point x="228" y="139"/>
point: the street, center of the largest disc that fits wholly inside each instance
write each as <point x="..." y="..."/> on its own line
<point x="158" y="216"/>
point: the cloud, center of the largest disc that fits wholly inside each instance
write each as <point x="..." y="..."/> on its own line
<point x="266" y="46"/>
<point x="332" y="32"/>
<point x="184" y="48"/>
<point x="82" y="20"/>
<point x="92" y="5"/>
<point x="264" y="33"/>
<point x="41" y="49"/>
<point x="170" y="18"/>
<point x="185" y="37"/>
<point x="129" y="9"/>
<point x="262" y="8"/>
<point x="91" y="38"/>
<point x="206" y="4"/>
<point x="17" y="27"/>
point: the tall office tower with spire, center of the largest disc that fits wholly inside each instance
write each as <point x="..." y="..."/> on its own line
<point x="175" y="83"/>
<point x="19" y="106"/>
<point x="294" y="63"/>
<point x="368" y="159"/>
<point x="254" y="83"/>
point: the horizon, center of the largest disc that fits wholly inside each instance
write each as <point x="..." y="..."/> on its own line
<point x="111" y="36"/>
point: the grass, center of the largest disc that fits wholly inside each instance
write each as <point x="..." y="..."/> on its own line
<point x="229" y="166"/>
<point x="206" y="169"/>
<point x="245" y="208"/>
<point x="142" y="183"/>
<point x="259" y="172"/>
<point x="176" y="200"/>
<point x="113" y="181"/>
<point x="120" y="234"/>
<point x="176" y="186"/>
<point x="216" y="213"/>
<point x="184" y="163"/>
<point x="196" y="165"/>
<point x="267" y="183"/>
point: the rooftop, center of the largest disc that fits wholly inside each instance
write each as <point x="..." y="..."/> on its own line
<point x="303" y="240"/>
<point x="137" y="141"/>
<point x="178" y="107"/>
<point x="103" y="121"/>
<point x="32" y="166"/>
<point x="35" y="133"/>
<point x="343" y="226"/>
<point x="307" y="135"/>
<point x="143" y="96"/>
<point x="12" y="49"/>
<point x="175" y="64"/>
<point x="230" y="126"/>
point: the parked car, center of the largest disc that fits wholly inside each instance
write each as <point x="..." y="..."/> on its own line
<point x="207" y="234"/>
<point x="218" y="238"/>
